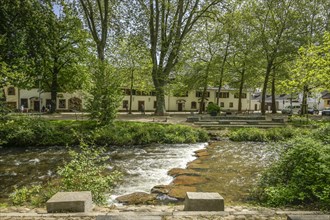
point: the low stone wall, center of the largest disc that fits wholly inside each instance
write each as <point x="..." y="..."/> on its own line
<point x="154" y="212"/>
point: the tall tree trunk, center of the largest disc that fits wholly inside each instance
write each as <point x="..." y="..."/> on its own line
<point x="131" y="92"/>
<point x="223" y="69"/>
<point x="264" y="88"/>
<point x="53" y="91"/>
<point x="205" y="87"/>
<point x="304" y="105"/>
<point x="160" y="101"/>
<point x="274" y="109"/>
<point x="241" y="90"/>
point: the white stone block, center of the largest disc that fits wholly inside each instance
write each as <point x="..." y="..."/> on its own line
<point x="203" y="201"/>
<point x="70" y="202"/>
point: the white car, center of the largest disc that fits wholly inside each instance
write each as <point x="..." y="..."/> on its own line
<point x="291" y="109"/>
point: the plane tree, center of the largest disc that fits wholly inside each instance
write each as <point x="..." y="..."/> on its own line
<point x="312" y="68"/>
<point x="276" y="23"/>
<point x="169" y="23"/>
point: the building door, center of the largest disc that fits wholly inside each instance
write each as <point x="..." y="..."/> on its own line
<point x="141" y="106"/>
<point x="36" y="106"/>
<point x="255" y="107"/>
<point x="180" y="107"/>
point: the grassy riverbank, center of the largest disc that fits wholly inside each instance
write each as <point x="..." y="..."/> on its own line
<point x="29" y="131"/>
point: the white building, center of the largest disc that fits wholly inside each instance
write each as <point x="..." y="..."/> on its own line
<point x="32" y="100"/>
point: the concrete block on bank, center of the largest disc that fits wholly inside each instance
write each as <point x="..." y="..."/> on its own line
<point x="203" y="201"/>
<point x="70" y="202"/>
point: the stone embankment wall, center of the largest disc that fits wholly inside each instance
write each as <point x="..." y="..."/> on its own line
<point x="152" y="212"/>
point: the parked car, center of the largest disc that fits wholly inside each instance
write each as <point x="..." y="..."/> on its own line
<point x="326" y="111"/>
<point x="310" y="111"/>
<point x="291" y="109"/>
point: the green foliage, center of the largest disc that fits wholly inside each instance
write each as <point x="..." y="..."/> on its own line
<point x="86" y="172"/>
<point x="322" y="133"/>
<point x="300" y="176"/>
<point x="311" y="67"/>
<point x="137" y="133"/>
<point x="27" y="131"/>
<point x="262" y="135"/>
<point x="27" y="195"/>
<point x="213" y="108"/>
<point x="106" y="94"/>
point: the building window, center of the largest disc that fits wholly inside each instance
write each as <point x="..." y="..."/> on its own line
<point x="222" y="104"/>
<point x="200" y="94"/>
<point x="11" y="91"/>
<point x="24" y="102"/>
<point x="127" y="91"/>
<point x="125" y="104"/>
<point x="243" y="95"/>
<point x="222" y="94"/>
<point x="328" y="102"/>
<point x="155" y="104"/>
<point x="61" y="103"/>
<point x="231" y="105"/>
<point x="193" y="105"/>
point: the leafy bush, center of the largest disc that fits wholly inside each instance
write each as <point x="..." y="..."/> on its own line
<point x="262" y="135"/>
<point x="24" y="194"/>
<point x="322" y="133"/>
<point x="137" y="133"/>
<point x="86" y="172"/>
<point x="25" y="131"/>
<point x="300" y="176"/>
<point x="212" y="108"/>
<point x="248" y="134"/>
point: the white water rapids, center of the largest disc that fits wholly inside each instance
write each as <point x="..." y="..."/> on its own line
<point x="147" y="167"/>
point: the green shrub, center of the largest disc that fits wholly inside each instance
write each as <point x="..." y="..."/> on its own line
<point x="262" y="135"/>
<point x="137" y="133"/>
<point x="86" y="172"/>
<point x="248" y="134"/>
<point x="323" y="133"/>
<point x="212" y="108"/>
<point x="26" y="195"/>
<point x="300" y="177"/>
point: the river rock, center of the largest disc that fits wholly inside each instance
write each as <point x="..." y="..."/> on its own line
<point x="202" y="153"/>
<point x="179" y="192"/>
<point x="179" y="171"/>
<point x="198" y="166"/>
<point x="188" y="180"/>
<point x="161" y="189"/>
<point x="137" y="198"/>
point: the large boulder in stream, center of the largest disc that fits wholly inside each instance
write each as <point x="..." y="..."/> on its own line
<point x="189" y="180"/>
<point x="173" y="191"/>
<point x="137" y="198"/>
<point x="202" y="153"/>
<point x="179" y="192"/>
<point x="179" y="171"/>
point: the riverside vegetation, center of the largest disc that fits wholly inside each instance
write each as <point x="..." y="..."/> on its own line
<point x="301" y="174"/>
<point x="85" y="170"/>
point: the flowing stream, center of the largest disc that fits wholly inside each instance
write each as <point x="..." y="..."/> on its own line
<point x="233" y="167"/>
